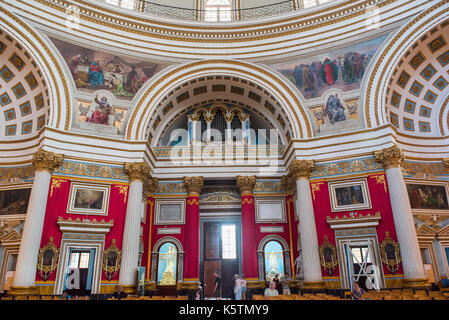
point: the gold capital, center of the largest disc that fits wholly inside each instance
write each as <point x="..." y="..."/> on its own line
<point x="288" y="183"/>
<point x="246" y="184"/>
<point x="46" y="160"/>
<point x="302" y="169"/>
<point x="389" y="157"/>
<point x="446" y="163"/>
<point x="150" y="186"/>
<point x="193" y="185"/>
<point x="137" y="171"/>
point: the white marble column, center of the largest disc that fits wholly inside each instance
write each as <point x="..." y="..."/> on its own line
<point x="44" y="162"/>
<point x="307" y="228"/>
<point x="138" y="172"/>
<point x="440" y="256"/>
<point x="403" y="219"/>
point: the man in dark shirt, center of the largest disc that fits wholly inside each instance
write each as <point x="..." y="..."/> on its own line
<point x="119" y="293"/>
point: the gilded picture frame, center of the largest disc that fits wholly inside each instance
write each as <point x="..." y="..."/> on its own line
<point x="92" y="199"/>
<point x="428" y="196"/>
<point x="111" y="260"/>
<point x="328" y="256"/>
<point x="349" y="195"/>
<point x="14" y="200"/>
<point x="47" y="259"/>
<point x="390" y="253"/>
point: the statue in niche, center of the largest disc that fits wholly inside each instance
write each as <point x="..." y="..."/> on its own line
<point x="273" y="263"/>
<point x="168" y="277"/>
<point x="334" y="109"/>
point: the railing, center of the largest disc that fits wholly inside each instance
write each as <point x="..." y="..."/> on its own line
<point x="172" y="12"/>
<point x="228" y="14"/>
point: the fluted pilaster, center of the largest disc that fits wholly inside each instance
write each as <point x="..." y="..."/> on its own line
<point x="402" y="214"/>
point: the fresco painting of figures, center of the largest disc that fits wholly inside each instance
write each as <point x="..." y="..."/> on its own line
<point x="93" y="70"/>
<point x="340" y="69"/>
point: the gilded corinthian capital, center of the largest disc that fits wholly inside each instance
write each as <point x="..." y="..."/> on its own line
<point x="246" y="184"/>
<point x="302" y="169"/>
<point x="389" y="157"/>
<point x="288" y="183"/>
<point x="446" y="163"/>
<point x="193" y="185"/>
<point x="46" y="160"/>
<point x="150" y="186"/>
<point x="137" y="171"/>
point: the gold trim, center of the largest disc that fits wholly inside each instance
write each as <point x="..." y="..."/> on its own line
<point x="392" y="264"/>
<point x="329" y="266"/>
<point x="46" y="270"/>
<point x="111" y="270"/>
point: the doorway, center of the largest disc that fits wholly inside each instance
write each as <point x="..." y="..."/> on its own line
<point x="220" y="252"/>
<point x="362" y="263"/>
<point x="78" y="279"/>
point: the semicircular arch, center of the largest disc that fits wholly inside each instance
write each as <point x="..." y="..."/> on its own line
<point x="290" y="99"/>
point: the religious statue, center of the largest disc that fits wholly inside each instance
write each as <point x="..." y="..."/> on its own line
<point x="168" y="277"/>
<point x="298" y="266"/>
<point x="273" y="263"/>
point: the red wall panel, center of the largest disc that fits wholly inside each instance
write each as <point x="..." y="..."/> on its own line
<point x="58" y="198"/>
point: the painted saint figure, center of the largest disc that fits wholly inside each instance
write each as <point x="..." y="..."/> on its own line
<point x="101" y="113"/>
<point x="95" y="73"/>
<point x="334" y="109"/>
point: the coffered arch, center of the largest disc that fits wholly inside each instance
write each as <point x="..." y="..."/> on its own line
<point x="59" y="95"/>
<point x="211" y="91"/>
<point x="288" y="98"/>
<point x="382" y="94"/>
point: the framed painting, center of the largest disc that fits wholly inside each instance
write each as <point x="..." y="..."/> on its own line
<point x="349" y="195"/>
<point x="14" y="201"/>
<point x="88" y="198"/>
<point x="169" y="212"/>
<point x="272" y="210"/>
<point x="428" y="196"/>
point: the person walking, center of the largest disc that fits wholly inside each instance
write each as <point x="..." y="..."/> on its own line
<point x="237" y="287"/>
<point x="217" y="288"/>
<point x="243" y="286"/>
<point x="284" y="284"/>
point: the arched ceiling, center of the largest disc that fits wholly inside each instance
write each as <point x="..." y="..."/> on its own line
<point x="419" y="88"/>
<point x="218" y="89"/>
<point x="23" y="91"/>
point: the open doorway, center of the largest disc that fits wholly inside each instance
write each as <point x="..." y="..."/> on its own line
<point x="220" y="252"/>
<point x="361" y="263"/>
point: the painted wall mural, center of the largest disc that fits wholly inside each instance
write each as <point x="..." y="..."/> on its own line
<point x="94" y="70"/>
<point x="339" y="69"/>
